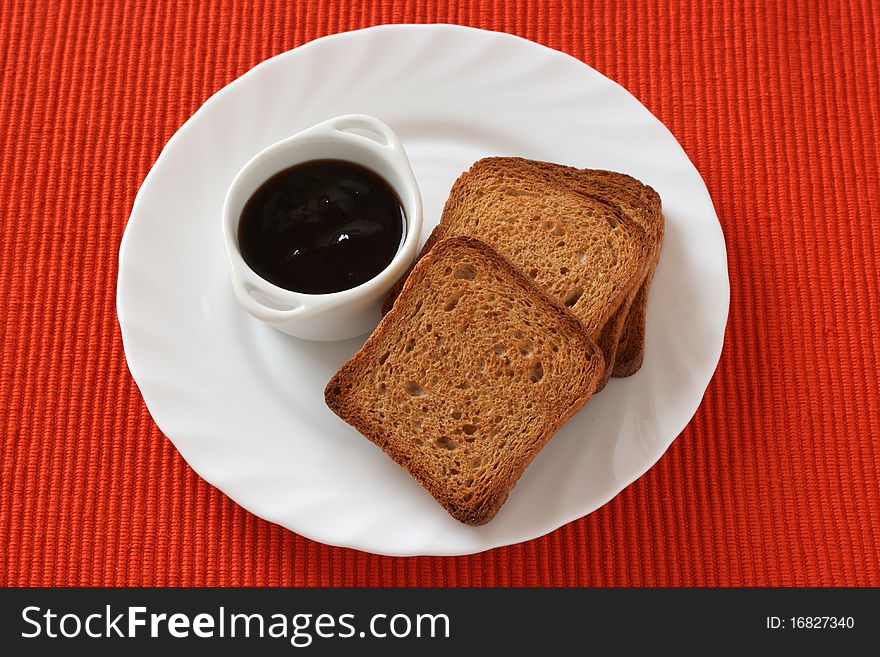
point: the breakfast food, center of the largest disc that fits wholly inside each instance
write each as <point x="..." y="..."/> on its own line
<point x="471" y="373"/>
<point x="563" y="228"/>
<point x="642" y="204"/>
<point x="527" y="296"/>
<point x="321" y="226"/>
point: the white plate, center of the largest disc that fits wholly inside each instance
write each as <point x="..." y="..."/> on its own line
<point x="244" y="403"/>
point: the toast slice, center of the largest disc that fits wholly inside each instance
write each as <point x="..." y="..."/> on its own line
<point x="467" y="377"/>
<point x="642" y="204"/>
<point x="584" y="251"/>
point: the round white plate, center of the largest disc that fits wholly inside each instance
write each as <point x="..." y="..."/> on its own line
<point x="244" y="403"/>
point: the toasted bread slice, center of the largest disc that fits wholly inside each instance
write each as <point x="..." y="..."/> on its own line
<point x="585" y="252"/>
<point x="467" y="377"/>
<point x="642" y="204"/>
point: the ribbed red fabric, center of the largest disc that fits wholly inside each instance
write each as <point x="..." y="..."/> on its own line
<point x="776" y="481"/>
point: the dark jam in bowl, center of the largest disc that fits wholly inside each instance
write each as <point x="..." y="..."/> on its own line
<point x="321" y="226"/>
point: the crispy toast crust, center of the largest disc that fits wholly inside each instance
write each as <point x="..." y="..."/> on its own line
<point x="648" y="212"/>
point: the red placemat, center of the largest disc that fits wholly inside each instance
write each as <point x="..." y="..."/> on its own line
<point x="776" y="481"/>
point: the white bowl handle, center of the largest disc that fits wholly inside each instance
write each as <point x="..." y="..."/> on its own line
<point x="251" y="292"/>
<point x="364" y="129"/>
<point x="376" y="130"/>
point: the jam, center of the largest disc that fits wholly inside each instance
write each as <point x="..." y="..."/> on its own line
<point x="322" y="226"/>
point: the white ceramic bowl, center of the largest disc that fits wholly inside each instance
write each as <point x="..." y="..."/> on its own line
<point x="356" y="138"/>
